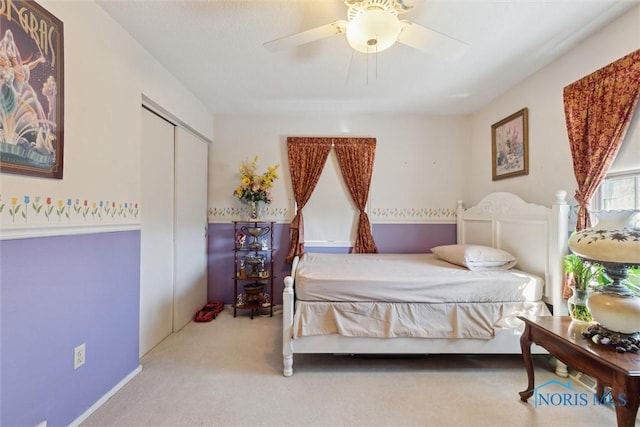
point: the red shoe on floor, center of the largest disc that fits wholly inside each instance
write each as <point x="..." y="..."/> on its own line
<point x="208" y="312"/>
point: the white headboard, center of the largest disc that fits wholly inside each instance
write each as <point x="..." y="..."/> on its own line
<point x="536" y="235"/>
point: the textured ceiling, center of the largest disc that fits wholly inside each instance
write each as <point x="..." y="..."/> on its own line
<point x="216" y="49"/>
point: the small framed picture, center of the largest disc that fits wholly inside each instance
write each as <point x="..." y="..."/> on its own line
<point x="510" y="146"/>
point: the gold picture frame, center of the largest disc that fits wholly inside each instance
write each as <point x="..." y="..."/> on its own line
<point x="510" y="146"/>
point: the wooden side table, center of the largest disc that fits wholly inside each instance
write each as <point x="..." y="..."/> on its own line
<point x="564" y="340"/>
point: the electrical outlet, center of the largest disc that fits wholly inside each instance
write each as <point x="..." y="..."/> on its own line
<point x="79" y="354"/>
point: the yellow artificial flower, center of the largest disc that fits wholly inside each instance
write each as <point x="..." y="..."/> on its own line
<point x="254" y="187"/>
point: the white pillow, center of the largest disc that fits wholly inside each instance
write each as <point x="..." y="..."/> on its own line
<point x="476" y="257"/>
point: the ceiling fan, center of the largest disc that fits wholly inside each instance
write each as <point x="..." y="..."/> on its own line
<point x="373" y="26"/>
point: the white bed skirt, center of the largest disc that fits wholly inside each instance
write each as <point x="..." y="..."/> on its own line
<point x="415" y="320"/>
<point x="506" y="341"/>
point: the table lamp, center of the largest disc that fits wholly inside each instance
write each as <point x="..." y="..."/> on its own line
<point x="613" y="243"/>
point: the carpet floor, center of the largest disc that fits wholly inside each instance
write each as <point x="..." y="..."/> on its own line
<point x="229" y="373"/>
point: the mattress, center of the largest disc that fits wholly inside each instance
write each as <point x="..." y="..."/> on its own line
<point x="407" y="278"/>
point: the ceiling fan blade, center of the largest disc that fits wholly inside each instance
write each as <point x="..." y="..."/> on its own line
<point x="431" y="42"/>
<point x="287" y="42"/>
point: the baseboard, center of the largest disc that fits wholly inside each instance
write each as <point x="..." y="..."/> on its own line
<point x="106" y="397"/>
<point x="586" y="381"/>
<point x="589" y="383"/>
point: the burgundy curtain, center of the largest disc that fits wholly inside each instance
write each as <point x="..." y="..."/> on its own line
<point x="307" y="157"/>
<point x="355" y="156"/>
<point x="598" y="109"/>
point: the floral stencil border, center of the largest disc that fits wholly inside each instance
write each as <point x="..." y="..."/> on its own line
<point x="38" y="210"/>
<point x="219" y="214"/>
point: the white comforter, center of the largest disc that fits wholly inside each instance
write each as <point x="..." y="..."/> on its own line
<point x="407" y="278"/>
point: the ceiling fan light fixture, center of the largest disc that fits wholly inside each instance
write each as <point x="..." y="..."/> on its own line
<point x="373" y="30"/>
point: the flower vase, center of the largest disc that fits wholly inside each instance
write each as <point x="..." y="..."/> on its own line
<point x="577" y="303"/>
<point x="253" y="211"/>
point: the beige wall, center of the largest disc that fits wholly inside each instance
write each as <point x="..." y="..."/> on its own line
<point x="418" y="166"/>
<point x="550" y="165"/>
<point x="106" y="75"/>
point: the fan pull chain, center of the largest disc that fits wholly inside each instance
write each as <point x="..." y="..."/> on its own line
<point x="346" y="80"/>
<point x="376" y="59"/>
<point x="367" y="55"/>
<point x="376" y="63"/>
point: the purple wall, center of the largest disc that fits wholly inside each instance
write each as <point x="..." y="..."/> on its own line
<point x="59" y="292"/>
<point x="221" y="267"/>
<point x="56" y="293"/>
<point x="390" y="238"/>
<point x="412" y="238"/>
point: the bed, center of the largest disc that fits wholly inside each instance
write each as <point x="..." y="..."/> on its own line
<point x="428" y="303"/>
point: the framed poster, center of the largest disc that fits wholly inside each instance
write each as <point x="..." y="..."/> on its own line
<point x="31" y="90"/>
<point x="510" y="146"/>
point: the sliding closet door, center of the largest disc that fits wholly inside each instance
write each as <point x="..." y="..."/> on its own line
<point x="156" y="256"/>
<point x="191" y="227"/>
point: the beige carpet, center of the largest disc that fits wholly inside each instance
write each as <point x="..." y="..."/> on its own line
<point x="229" y="373"/>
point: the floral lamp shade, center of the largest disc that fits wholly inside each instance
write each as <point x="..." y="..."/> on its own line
<point x="612" y="239"/>
<point x="615" y="244"/>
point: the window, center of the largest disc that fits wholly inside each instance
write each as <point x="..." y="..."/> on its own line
<point x="619" y="191"/>
<point x="622" y="191"/>
<point x="327" y="213"/>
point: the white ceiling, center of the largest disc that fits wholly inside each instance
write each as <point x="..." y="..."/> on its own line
<point x="215" y="49"/>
